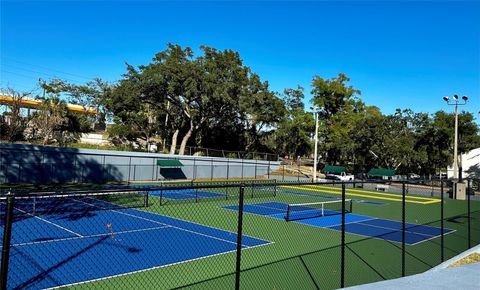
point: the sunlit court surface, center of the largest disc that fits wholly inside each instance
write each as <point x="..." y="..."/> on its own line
<point x="137" y="231"/>
<point x="247" y="145"/>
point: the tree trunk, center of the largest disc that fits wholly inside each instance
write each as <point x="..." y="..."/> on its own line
<point x="45" y="138"/>
<point x="185" y="139"/>
<point x="174" y="142"/>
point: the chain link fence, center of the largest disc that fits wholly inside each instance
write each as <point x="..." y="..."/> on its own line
<point x="245" y="234"/>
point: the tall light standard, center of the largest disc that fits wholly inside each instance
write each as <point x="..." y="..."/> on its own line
<point x="455" y="102"/>
<point x="315" y="111"/>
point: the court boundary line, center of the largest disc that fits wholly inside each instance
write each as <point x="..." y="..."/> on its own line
<point x="156" y="267"/>
<point x="400" y="230"/>
<point x="244" y="246"/>
<point x="179" y="228"/>
<point x="331" y="229"/>
<point x="364" y="195"/>
<point x="361" y="201"/>
<point x="410" y="244"/>
<point x="376" y="195"/>
<point x="427" y="200"/>
<point x="90" y="236"/>
<point x="49" y="222"/>
<point x="372" y="192"/>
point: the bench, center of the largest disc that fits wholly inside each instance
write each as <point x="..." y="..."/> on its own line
<point x="382" y="187"/>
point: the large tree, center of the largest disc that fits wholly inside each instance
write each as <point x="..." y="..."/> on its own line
<point x="338" y="108"/>
<point x="197" y="93"/>
<point x="294" y="132"/>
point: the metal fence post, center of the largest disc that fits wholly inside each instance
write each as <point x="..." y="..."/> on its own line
<point x="442" y="226"/>
<point x="103" y="169"/>
<point x="242" y="168"/>
<point x="239" y="237"/>
<point x="194" y="169"/>
<point x="256" y="169"/>
<point x="283" y="174"/>
<point x="298" y="172"/>
<point x="134" y="172"/>
<point x="129" y="169"/>
<point x="161" y="193"/>
<point x="403" y="228"/>
<point x="228" y="168"/>
<point x="275" y="188"/>
<point x="342" y="258"/>
<point x="7" y="236"/>
<point x="153" y="169"/>
<point x="469" y="216"/>
<point x="268" y="170"/>
<point x="253" y="185"/>
<point x="211" y="170"/>
<point x="196" y="193"/>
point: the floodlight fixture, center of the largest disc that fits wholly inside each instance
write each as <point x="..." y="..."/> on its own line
<point x="455" y="103"/>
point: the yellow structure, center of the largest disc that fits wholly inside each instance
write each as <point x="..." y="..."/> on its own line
<point x="29" y="103"/>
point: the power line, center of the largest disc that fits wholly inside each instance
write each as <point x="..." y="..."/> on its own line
<point x="47" y="68"/>
<point x="40" y="73"/>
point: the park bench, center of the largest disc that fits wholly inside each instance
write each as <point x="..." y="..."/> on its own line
<point x="382" y="187"/>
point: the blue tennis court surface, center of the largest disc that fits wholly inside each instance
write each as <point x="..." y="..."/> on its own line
<point x="177" y="194"/>
<point x="355" y="224"/>
<point x="67" y="248"/>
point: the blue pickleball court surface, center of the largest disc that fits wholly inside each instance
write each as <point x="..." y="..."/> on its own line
<point x="354" y="224"/>
<point x="58" y="249"/>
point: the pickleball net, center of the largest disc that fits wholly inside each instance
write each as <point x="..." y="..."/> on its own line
<point x="301" y="211"/>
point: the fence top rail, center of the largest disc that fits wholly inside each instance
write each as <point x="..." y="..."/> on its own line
<point x="189" y="185"/>
<point x="87" y="151"/>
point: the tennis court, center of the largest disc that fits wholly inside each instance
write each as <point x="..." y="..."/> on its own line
<point x="363" y="225"/>
<point x="176" y="194"/>
<point x="104" y="240"/>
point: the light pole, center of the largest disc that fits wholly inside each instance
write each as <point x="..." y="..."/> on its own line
<point x="455" y="102"/>
<point x="316" y="145"/>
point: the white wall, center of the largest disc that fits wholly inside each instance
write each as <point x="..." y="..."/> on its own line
<point x="470" y="164"/>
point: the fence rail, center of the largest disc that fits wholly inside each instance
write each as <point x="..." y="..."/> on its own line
<point x="232" y="235"/>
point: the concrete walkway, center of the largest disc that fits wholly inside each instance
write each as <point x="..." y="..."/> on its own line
<point x="464" y="277"/>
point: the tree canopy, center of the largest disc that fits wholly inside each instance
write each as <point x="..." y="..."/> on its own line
<point x="212" y="99"/>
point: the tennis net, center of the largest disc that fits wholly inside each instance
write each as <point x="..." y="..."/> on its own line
<point x="36" y="204"/>
<point x="317" y="209"/>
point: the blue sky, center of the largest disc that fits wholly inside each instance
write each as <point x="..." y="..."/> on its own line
<point x="399" y="54"/>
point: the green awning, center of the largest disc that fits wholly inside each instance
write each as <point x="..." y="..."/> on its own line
<point x="333" y="169"/>
<point x="381" y="172"/>
<point x="169" y="163"/>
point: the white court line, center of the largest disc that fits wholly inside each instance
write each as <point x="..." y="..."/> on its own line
<point x="165" y="226"/>
<point x="90" y="236"/>
<point x="156" y="267"/>
<point x="367" y="219"/>
<point x="377" y="238"/>
<point x="49" y="222"/>
<point x="397" y="230"/>
<point x="433" y="237"/>
<point x="269" y="208"/>
<point x="179" y="228"/>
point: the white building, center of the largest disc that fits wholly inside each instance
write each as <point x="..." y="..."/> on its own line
<point x="470" y="163"/>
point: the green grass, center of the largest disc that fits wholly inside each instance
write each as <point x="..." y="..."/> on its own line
<point x="301" y="256"/>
